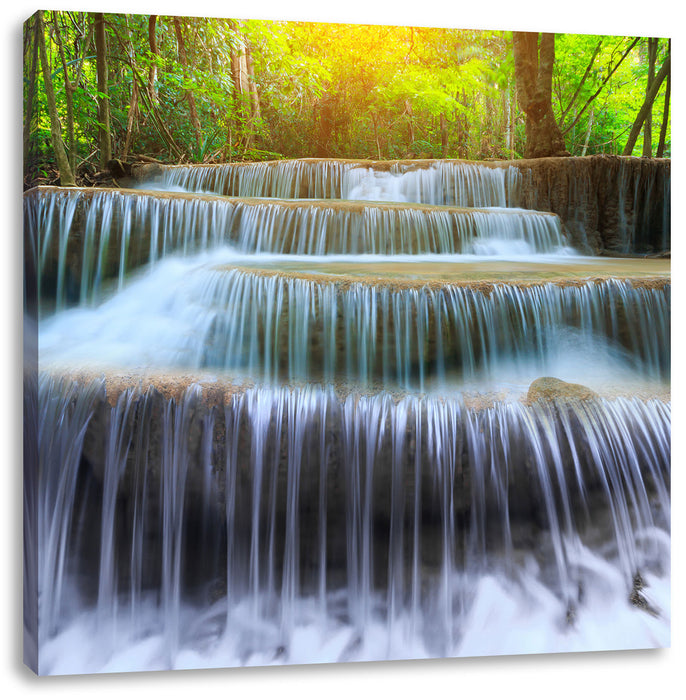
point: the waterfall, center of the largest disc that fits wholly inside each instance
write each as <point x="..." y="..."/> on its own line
<point x="443" y="182"/>
<point x="294" y="328"/>
<point x="621" y="205"/>
<point x="285" y="412"/>
<point x="466" y="483"/>
<point x="82" y="239"/>
<point x="271" y="325"/>
<point x="279" y="179"/>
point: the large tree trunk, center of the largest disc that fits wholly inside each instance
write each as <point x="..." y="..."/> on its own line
<point x="133" y="107"/>
<point x="252" y="85"/>
<point x="245" y="94"/>
<point x="534" y="78"/>
<point x="66" y="174"/>
<point x="103" y="102"/>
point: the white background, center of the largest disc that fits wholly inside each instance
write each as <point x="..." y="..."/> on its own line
<point x="622" y="675"/>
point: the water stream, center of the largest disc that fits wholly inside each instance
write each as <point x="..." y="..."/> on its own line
<point x="292" y="431"/>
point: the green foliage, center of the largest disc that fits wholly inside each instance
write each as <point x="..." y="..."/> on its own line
<point x="327" y="90"/>
<point x="612" y="112"/>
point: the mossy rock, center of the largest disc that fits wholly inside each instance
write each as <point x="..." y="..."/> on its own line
<point x="552" y="389"/>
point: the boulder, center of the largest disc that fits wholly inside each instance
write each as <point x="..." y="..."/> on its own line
<point x="553" y="389"/>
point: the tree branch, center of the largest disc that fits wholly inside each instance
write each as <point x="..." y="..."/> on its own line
<point x="581" y="84"/>
<point x="647" y="106"/>
<point x="602" y="85"/>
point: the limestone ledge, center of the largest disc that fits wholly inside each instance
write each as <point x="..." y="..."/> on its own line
<point x="342" y="205"/>
<point x="396" y="276"/>
<point x="218" y="389"/>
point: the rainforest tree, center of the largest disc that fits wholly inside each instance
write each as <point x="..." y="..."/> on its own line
<point x="534" y="59"/>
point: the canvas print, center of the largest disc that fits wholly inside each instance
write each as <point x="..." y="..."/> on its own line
<point x="342" y="342"/>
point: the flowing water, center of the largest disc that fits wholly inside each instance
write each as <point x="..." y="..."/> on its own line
<point x="453" y="183"/>
<point x="195" y="313"/>
<point x="79" y="239"/>
<point x="284" y="431"/>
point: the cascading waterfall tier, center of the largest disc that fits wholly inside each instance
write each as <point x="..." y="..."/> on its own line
<point x="614" y="204"/>
<point x="607" y="203"/>
<point x="273" y="325"/>
<point x="288" y="326"/>
<point x="381" y="517"/>
<point x="455" y="183"/>
<point x="78" y="240"/>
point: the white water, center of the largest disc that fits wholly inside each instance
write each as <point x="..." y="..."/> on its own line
<point x="458" y="184"/>
<point x="506" y="617"/>
<point x="439" y="182"/>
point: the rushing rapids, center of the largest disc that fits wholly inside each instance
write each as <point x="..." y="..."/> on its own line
<point x="288" y="430"/>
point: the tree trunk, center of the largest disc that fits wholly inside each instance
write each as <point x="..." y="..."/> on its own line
<point x="239" y="78"/>
<point x="252" y="85"/>
<point x="236" y="74"/>
<point x="103" y="98"/>
<point x="647" y="107"/>
<point x="463" y="131"/>
<point x="588" y="133"/>
<point x="68" y="95"/>
<point x="534" y="78"/>
<point x="410" y="125"/>
<point x="133" y="111"/>
<point x="190" y="98"/>
<point x="133" y="107"/>
<point x="513" y="127"/>
<point x="66" y="174"/>
<point x="665" y="112"/>
<point x="31" y="91"/>
<point x="247" y="98"/>
<point x="152" y="72"/>
<point x="84" y="52"/>
<point x="376" y="135"/>
<point x="444" y="137"/>
<point x="648" y="123"/>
